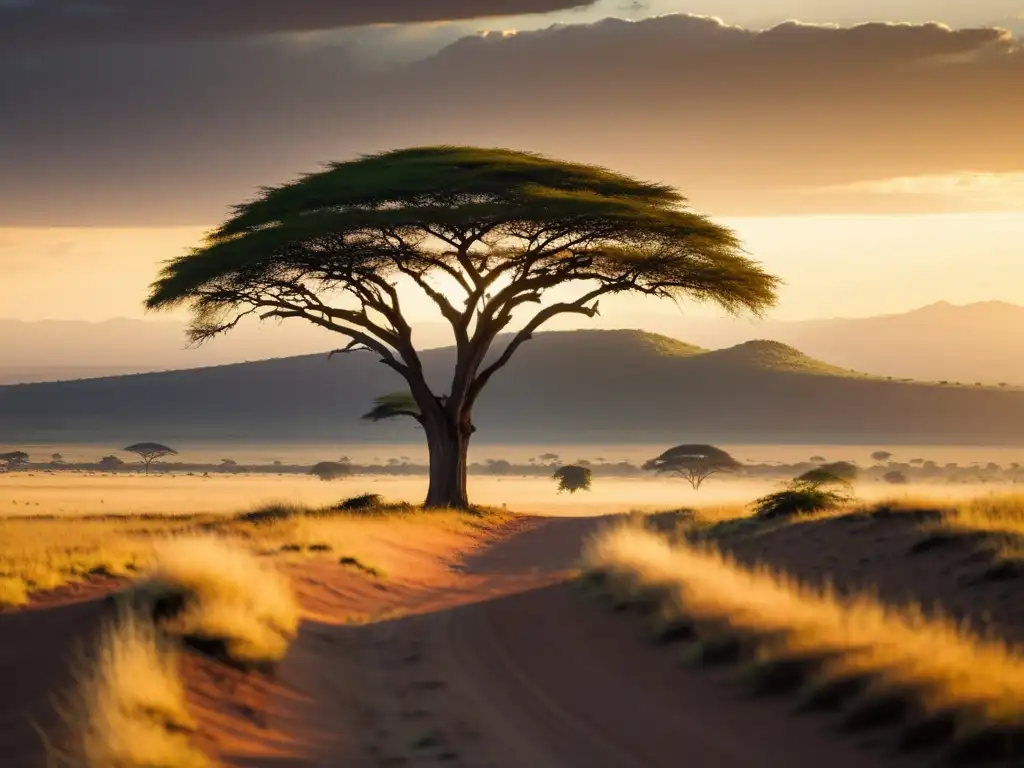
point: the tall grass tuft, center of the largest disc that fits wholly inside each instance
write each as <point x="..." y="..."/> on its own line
<point x="128" y="709"/>
<point x="217" y="594"/>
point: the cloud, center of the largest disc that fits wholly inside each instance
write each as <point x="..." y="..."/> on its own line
<point x="743" y="121"/>
<point x="976" y="191"/>
<point x="32" y="23"/>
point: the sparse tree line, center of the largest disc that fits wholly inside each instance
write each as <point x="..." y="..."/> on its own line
<point x="693" y="463"/>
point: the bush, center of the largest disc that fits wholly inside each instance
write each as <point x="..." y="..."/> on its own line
<point x="895" y="477"/>
<point x="331" y="470"/>
<point x="272" y="512"/>
<point x="800" y="498"/>
<point x="359" y="503"/>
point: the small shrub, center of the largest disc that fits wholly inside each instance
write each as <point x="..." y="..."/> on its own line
<point x="800" y="498"/>
<point x="272" y="512"/>
<point x="895" y="477"/>
<point x="362" y="502"/>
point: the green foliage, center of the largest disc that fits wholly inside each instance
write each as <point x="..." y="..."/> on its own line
<point x="573" y="477"/>
<point x="352" y="207"/>
<point x="392" y="405"/>
<point x="693" y="462"/>
<point x="799" y="498"/>
<point x="502" y="227"/>
<point x="331" y="470"/>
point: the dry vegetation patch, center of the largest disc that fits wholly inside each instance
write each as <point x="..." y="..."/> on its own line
<point x="216" y="595"/>
<point x="894" y="663"/>
<point x="128" y="710"/>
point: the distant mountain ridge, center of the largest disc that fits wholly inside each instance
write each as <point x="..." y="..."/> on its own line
<point x="982" y="342"/>
<point x="600" y="386"/>
<point x="941" y="341"/>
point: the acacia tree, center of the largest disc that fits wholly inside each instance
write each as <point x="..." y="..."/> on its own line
<point x="573" y="477"/>
<point x="485" y="234"/>
<point x="695" y="463"/>
<point x="150" y="452"/>
<point x="14" y="459"/>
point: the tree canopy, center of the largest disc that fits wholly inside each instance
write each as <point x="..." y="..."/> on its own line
<point x="573" y="477"/>
<point x="14" y="459"/>
<point x="695" y="463"/>
<point x="484" y="234"/>
<point x="150" y="452"/>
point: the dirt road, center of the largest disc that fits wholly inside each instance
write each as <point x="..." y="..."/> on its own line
<point x="507" y="666"/>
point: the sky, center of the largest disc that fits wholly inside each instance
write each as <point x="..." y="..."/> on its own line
<point x="867" y="151"/>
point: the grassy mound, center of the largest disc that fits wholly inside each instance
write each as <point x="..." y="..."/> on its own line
<point x="896" y="664"/>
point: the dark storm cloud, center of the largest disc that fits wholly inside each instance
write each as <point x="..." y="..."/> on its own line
<point x="744" y="122"/>
<point x="30" y="24"/>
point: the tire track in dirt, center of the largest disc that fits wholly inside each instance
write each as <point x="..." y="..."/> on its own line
<point x="507" y="666"/>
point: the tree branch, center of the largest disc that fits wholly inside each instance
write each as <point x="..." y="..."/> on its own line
<point x="577" y="307"/>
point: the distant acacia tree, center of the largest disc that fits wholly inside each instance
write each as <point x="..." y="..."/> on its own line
<point x="695" y="463"/>
<point x="881" y="456"/>
<point x="895" y="477"/>
<point x="331" y="470"/>
<point x="484" y="234"/>
<point x="150" y="452"/>
<point x="14" y="459"/>
<point x="573" y="477"/>
<point x="110" y="462"/>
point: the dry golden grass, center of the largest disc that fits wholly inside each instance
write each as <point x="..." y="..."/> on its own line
<point x="222" y="593"/>
<point x="992" y="514"/>
<point x="944" y="666"/>
<point x="43" y="554"/>
<point x="128" y="710"/>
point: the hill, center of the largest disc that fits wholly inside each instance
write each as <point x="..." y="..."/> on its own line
<point x="579" y="386"/>
<point x="939" y="342"/>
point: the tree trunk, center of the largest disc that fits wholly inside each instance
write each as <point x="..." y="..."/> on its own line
<point x="448" y="445"/>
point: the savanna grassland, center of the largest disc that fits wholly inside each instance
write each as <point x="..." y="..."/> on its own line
<point x="176" y="602"/>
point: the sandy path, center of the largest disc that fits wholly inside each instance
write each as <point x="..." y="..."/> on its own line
<point x="38" y="648"/>
<point x="503" y="664"/>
